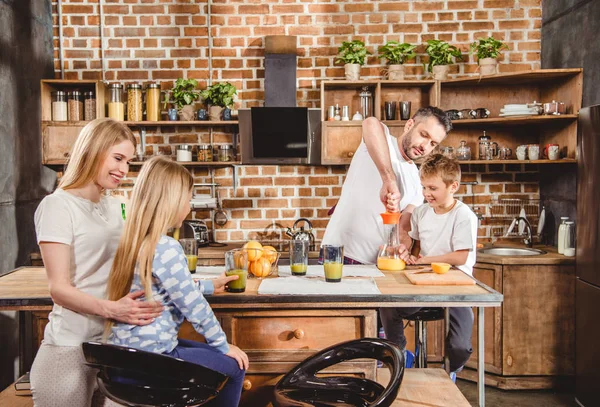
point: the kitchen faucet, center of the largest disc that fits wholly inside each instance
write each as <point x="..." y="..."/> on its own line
<point x="527" y="240"/>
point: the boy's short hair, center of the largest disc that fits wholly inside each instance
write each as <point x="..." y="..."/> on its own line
<point x="439" y="165"/>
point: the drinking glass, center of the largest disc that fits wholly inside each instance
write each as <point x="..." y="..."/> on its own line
<point x="404" y="110"/>
<point x="299" y="257"/>
<point x="236" y="264"/>
<point x="333" y="262"/>
<point x="390" y="110"/>
<point x="191" y="253"/>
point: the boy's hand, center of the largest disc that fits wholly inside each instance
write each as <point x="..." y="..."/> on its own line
<point x="220" y="282"/>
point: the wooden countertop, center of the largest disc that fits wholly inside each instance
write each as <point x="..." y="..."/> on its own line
<point x="26" y="288"/>
<point x="550" y="258"/>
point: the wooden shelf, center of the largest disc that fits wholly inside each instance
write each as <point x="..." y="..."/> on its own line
<point x="338" y="123"/>
<point x="519" y="120"/>
<point x="528" y="77"/>
<point x="54" y="163"/>
<point x="394" y="123"/>
<point x="204" y="123"/>
<point x="561" y="161"/>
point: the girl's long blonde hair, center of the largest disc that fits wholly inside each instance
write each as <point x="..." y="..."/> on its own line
<point x="90" y="150"/>
<point x="160" y="192"/>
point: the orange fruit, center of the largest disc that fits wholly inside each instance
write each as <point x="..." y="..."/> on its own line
<point x="440" y="268"/>
<point x="260" y="267"/>
<point x="270" y="253"/>
<point x="254" y="250"/>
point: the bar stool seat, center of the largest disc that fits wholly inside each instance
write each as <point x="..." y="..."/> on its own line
<point x="420" y="318"/>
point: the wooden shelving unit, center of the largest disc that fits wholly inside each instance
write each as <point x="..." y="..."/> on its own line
<point x="339" y="141"/>
<point x="199" y="123"/>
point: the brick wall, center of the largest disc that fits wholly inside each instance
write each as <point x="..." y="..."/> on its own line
<point x="161" y="40"/>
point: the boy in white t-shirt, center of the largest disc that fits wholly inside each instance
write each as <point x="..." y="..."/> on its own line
<point x="443" y="230"/>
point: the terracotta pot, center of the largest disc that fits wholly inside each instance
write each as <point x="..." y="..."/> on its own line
<point x="488" y="66"/>
<point x="187" y="113"/>
<point x="352" y="72"/>
<point x="440" y="72"/>
<point x="214" y="113"/>
<point x="396" y="72"/>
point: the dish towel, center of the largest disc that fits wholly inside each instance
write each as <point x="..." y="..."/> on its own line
<point x="347" y="271"/>
<point x="316" y="286"/>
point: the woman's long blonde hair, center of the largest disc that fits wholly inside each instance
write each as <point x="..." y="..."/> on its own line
<point x="90" y="150"/>
<point x="160" y="192"/>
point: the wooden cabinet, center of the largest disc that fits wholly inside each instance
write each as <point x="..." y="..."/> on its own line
<point x="529" y="340"/>
<point x="340" y="139"/>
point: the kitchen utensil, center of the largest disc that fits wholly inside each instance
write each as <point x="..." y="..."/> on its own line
<point x="424" y="270"/>
<point x="539" y="107"/>
<point x="454" y="114"/>
<point x="196" y="229"/>
<point x="220" y="216"/>
<point x="533" y="152"/>
<point x="555" y="108"/>
<point x="522" y="222"/>
<point x="541" y="221"/>
<point x="452" y="277"/>
<point x="480" y="113"/>
<point x="404" y="110"/>
<point x="448" y="151"/>
<point x="463" y="152"/>
<point x="366" y="102"/>
<point x="552" y="151"/>
<point x="389" y="254"/>
<point x="511" y="227"/>
<point x="357" y="116"/>
<point x="468" y="114"/>
<point x="484" y="143"/>
<point x="331" y="113"/>
<point x="522" y="152"/>
<point x="345" y="114"/>
<point x="504" y="153"/>
<point x="298" y="233"/>
<point x="569" y="245"/>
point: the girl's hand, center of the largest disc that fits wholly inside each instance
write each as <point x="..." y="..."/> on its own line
<point x="239" y="355"/>
<point x="220" y="282"/>
<point x="131" y="311"/>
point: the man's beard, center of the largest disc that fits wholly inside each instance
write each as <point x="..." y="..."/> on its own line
<point x="406" y="145"/>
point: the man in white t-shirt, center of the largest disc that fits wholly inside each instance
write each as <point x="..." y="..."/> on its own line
<point x="444" y="230"/>
<point x="383" y="176"/>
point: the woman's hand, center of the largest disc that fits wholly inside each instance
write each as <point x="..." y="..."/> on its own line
<point x="131" y="311"/>
<point x="239" y="355"/>
<point x="220" y="282"/>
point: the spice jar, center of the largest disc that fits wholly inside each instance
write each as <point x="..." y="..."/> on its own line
<point x="134" y="102"/>
<point x="59" y="106"/>
<point x="205" y="153"/>
<point x="75" y="106"/>
<point x="184" y="153"/>
<point x="225" y="153"/>
<point x="89" y="106"/>
<point x="153" y="102"/>
<point x="115" y="102"/>
<point x="463" y="152"/>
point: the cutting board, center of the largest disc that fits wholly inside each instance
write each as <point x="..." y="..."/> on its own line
<point x="452" y="277"/>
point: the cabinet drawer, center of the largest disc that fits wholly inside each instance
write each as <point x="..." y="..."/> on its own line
<point x="297" y="330"/>
<point x="57" y="142"/>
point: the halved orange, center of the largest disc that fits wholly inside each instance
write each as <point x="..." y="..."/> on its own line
<point x="440" y="268"/>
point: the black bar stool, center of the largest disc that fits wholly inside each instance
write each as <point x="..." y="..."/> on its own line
<point x="421" y="318"/>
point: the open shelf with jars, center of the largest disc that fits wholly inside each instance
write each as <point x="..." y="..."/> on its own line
<point x="340" y="139"/>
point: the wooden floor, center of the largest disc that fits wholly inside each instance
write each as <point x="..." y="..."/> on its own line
<point x="420" y="387"/>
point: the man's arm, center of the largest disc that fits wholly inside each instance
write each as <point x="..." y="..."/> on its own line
<point x="375" y="140"/>
<point x="456" y="258"/>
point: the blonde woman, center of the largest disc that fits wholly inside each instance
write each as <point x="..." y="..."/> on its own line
<point x="148" y="259"/>
<point x="78" y="229"/>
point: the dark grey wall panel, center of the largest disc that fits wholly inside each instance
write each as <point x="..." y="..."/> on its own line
<point x="553" y="8"/>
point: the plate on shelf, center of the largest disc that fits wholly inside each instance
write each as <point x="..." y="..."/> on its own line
<point x="515" y="107"/>
<point x="514" y="114"/>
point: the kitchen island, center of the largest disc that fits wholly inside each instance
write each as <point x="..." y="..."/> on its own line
<point x="278" y="331"/>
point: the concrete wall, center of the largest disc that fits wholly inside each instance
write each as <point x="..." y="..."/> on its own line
<point x="26" y="56"/>
<point x="569" y="40"/>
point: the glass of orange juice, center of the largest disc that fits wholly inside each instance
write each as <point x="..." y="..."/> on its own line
<point x="236" y="264"/>
<point x="299" y="257"/>
<point x="191" y="253"/>
<point x="333" y="262"/>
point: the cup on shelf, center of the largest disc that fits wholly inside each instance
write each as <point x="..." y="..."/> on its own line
<point x="533" y="152"/>
<point x="522" y="152"/>
<point x="172" y="114"/>
<point x="333" y="262"/>
<point x="404" y="110"/>
<point x="552" y="151"/>
<point x="202" y="114"/>
<point x="191" y="252"/>
<point x="390" y="110"/>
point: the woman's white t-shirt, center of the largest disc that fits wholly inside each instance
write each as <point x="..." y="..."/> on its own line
<point x="356" y="222"/>
<point x="92" y="230"/>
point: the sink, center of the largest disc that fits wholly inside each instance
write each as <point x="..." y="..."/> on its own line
<point x="511" y="251"/>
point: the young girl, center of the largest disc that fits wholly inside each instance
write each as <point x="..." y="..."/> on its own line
<point x="77" y="229"/>
<point x="148" y="259"/>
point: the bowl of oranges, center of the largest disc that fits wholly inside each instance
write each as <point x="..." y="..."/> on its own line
<point x="262" y="260"/>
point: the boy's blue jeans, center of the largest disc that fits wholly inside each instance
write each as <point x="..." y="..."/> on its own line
<point x="207" y="356"/>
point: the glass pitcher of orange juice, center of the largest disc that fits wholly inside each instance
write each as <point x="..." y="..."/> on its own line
<point x="389" y="254"/>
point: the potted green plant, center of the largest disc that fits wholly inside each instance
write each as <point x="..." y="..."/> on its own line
<point x="487" y="51"/>
<point x="183" y="95"/>
<point x="219" y="97"/>
<point x="395" y="55"/>
<point x="353" y="55"/>
<point x="441" y="55"/>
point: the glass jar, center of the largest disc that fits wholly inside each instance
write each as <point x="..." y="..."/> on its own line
<point x="225" y="153"/>
<point x="484" y="145"/>
<point x="134" y="102"/>
<point x="153" y="102"/>
<point x="389" y="254"/>
<point x="115" y="102"/>
<point x="569" y="237"/>
<point x="562" y="228"/>
<point x="75" y="106"/>
<point x="447" y="151"/>
<point x="184" y="153"/>
<point x="89" y="106"/>
<point x="463" y="152"/>
<point x="59" y="106"/>
<point x="205" y="153"/>
<point x="366" y="102"/>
